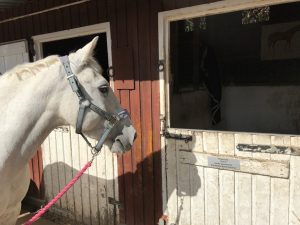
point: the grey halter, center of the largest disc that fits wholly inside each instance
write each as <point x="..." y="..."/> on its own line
<point x="111" y="119"/>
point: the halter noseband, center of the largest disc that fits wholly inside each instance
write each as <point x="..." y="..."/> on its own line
<point x="111" y="119"/>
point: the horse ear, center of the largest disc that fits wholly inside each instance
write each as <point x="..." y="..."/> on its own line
<point x="83" y="54"/>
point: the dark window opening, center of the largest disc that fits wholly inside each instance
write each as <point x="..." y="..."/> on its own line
<point x="232" y="75"/>
<point x="64" y="47"/>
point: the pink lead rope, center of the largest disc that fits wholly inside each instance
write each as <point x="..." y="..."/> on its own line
<point x="58" y="196"/>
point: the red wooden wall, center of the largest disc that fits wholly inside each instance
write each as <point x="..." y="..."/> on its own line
<point x="36" y="188"/>
<point x="134" y="29"/>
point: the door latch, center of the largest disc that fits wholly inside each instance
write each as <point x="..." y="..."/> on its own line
<point x="185" y="138"/>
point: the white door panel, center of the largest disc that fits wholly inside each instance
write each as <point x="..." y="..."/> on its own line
<point x="264" y="189"/>
<point x="2" y="65"/>
<point x="13" y="54"/>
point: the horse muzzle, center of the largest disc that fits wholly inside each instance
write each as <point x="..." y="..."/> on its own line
<point x="125" y="140"/>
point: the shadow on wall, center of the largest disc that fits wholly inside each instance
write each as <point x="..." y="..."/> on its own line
<point x="92" y="199"/>
<point x="183" y="180"/>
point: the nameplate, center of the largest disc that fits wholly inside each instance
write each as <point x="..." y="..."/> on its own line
<point x="223" y="163"/>
<point x="266" y="167"/>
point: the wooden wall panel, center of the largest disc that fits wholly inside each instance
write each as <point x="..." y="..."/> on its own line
<point x="133" y="27"/>
<point x="127" y="171"/>
<point x="65" y="153"/>
<point x="176" y="4"/>
<point x="155" y="108"/>
<point x="92" y="12"/>
<point x="36" y="189"/>
<point x="50" y="17"/>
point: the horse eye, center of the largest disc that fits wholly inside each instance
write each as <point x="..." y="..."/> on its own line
<point x="104" y="89"/>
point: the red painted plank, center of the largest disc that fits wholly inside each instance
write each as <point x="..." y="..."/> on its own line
<point x="5" y="32"/>
<point x="43" y="17"/>
<point x="127" y="163"/>
<point x="92" y="12"/>
<point x="36" y="20"/>
<point x="1" y="29"/>
<point x="30" y="164"/>
<point x="181" y="3"/>
<point x="135" y="105"/>
<point x="35" y="172"/>
<point x="29" y="20"/>
<point x="154" y="8"/>
<point x="17" y="24"/>
<point x="22" y="24"/>
<point x="121" y="23"/>
<point x="83" y="14"/>
<point x="74" y="10"/>
<point x="111" y="9"/>
<point x="123" y="68"/>
<point x="40" y="161"/>
<point x="11" y="30"/>
<point x="50" y="16"/>
<point x="199" y="2"/>
<point x="168" y="4"/>
<point x="103" y="10"/>
<point x="132" y="32"/>
<point x="58" y="17"/>
<point x="146" y="120"/>
<point x="66" y="15"/>
<point x="122" y="55"/>
<point x="137" y="157"/>
<point x="121" y="179"/>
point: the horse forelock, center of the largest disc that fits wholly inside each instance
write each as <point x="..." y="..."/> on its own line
<point x="92" y="63"/>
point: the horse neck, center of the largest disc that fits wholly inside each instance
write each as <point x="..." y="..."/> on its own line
<point x="29" y="116"/>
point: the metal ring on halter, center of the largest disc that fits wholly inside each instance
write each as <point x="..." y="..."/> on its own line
<point x="84" y="104"/>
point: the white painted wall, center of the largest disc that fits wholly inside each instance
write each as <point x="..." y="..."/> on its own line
<point x="12" y="54"/>
<point x="64" y="154"/>
<point x="198" y="193"/>
<point x="253" y="109"/>
<point x="263" y="109"/>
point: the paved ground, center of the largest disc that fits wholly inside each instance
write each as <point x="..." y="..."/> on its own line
<point x="27" y="215"/>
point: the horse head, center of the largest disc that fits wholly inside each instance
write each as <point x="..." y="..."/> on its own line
<point x="95" y="111"/>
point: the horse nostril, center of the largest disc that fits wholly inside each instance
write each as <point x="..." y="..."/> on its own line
<point x="135" y="136"/>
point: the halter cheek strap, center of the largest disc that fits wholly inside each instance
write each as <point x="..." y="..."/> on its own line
<point x="84" y="104"/>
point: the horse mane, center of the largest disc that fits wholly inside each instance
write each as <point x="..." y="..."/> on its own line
<point x="27" y="70"/>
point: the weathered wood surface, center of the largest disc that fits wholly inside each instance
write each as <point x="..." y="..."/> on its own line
<point x="264" y="190"/>
<point x="273" y="149"/>
<point x="273" y="168"/>
<point x="134" y="30"/>
<point x="65" y="153"/>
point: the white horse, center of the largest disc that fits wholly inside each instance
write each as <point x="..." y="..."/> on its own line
<point x="35" y="98"/>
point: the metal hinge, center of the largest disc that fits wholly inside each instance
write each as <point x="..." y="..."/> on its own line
<point x="185" y="138"/>
<point x="110" y="72"/>
<point x="113" y="201"/>
<point x="268" y="149"/>
<point x="161" y="65"/>
<point x="163" y="220"/>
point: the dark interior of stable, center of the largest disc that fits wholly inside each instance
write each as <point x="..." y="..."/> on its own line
<point x="237" y="71"/>
<point x="65" y="46"/>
